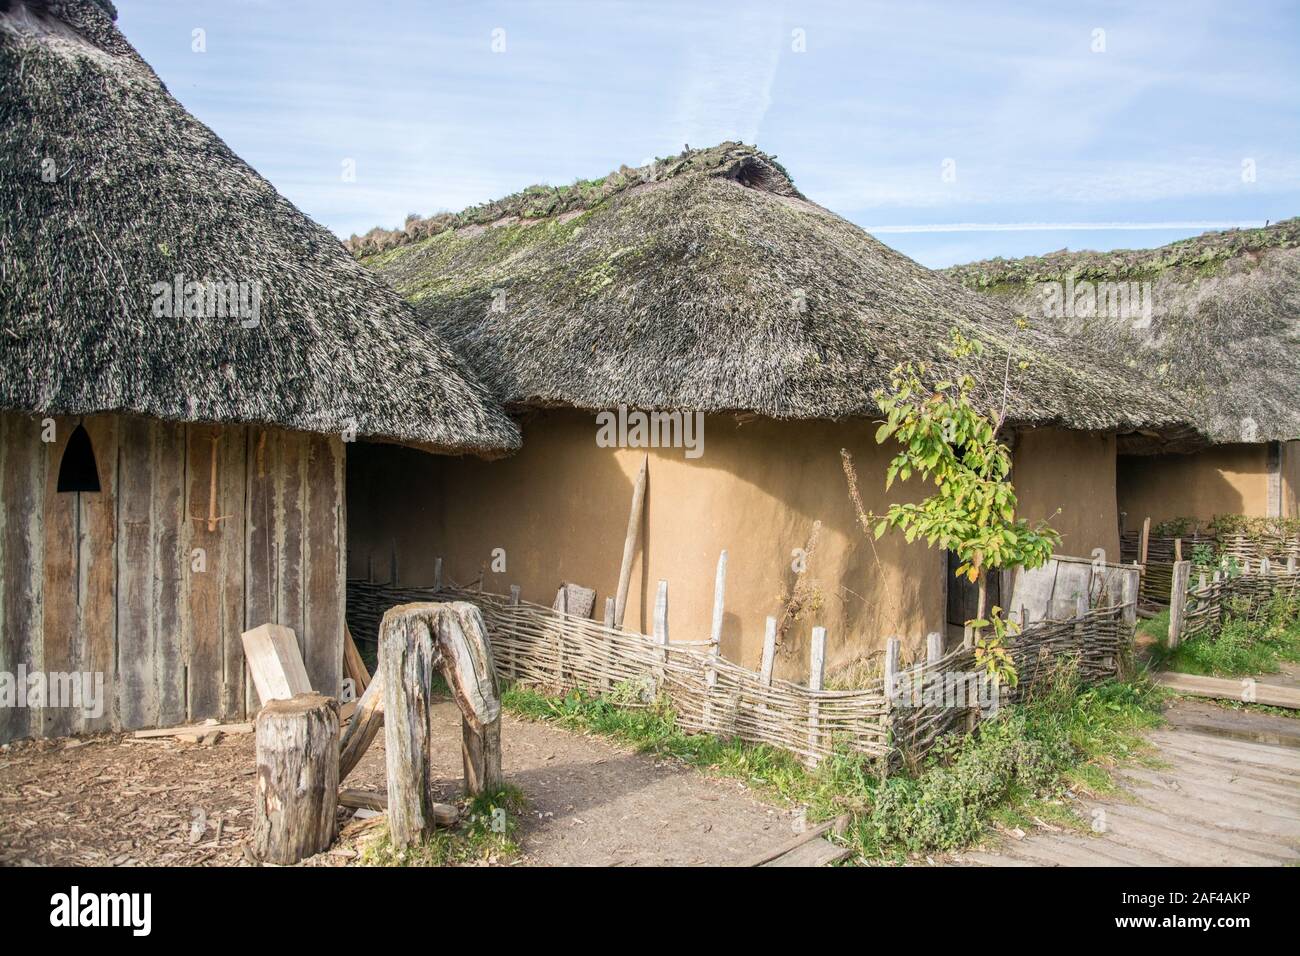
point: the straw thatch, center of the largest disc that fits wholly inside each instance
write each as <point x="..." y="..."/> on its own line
<point x="109" y="187"/>
<point x="1225" y="323"/>
<point x="707" y="281"/>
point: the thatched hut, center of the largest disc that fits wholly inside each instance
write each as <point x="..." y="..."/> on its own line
<point x="185" y="358"/>
<point x="707" y="284"/>
<point x="1216" y="319"/>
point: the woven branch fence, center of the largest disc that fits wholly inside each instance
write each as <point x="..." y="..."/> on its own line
<point x="1210" y="599"/>
<point x="1163" y="551"/>
<point x="540" y="646"/>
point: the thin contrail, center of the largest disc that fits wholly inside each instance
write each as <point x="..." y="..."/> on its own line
<point x="1064" y="226"/>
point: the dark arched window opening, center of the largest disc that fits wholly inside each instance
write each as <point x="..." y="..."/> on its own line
<point x="77" y="471"/>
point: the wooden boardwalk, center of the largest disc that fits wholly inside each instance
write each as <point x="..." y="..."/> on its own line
<point x="1227" y="794"/>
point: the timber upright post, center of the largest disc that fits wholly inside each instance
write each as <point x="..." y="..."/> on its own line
<point x="296" y="800"/>
<point x="816" y="675"/>
<point x="715" y="638"/>
<point x="1178" y="600"/>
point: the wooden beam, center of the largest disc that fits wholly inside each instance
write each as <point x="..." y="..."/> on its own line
<point x="630" y="540"/>
<point x="1255" y="692"/>
<point x="367" y="720"/>
<point x="353" y="666"/>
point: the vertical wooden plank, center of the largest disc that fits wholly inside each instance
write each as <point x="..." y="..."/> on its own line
<point x="137" y="638"/>
<point x="1144" y="541"/>
<point x="232" y="484"/>
<point x="715" y="635"/>
<point x="23" y="464"/>
<point x="215" y="595"/>
<point x="202" y="595"/>
<point x="892" y="649"/>
<point x="259" y="544"/>
<point x="288" y="518"/>
<point x="171" y="536"/>
<point x="97" y="564"/>
<point x="324" y="587"/>
<point x="661" y="627"/>
<point x="61" y="632"/>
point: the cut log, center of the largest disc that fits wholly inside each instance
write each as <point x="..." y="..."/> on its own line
<point x="367" y="720"/>
<point x="297" y="778"/>
<point x="275" y="661"/>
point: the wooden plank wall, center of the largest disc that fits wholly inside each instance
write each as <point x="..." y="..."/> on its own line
<point x="132" y="582"/>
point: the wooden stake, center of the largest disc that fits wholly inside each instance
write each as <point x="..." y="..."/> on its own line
<point x="296" y="799"/>
<point x="1178" y="600"/>
<point x="629" y="541"/>
<point x="816" y="673"/>
<point x="1144" y="541"/>
<point x="437" y="574"/>
<point x="769" y="651"/>
<point x="514" y="595"/>
<point x="715" y="637"/>
<point x="661" y="629"/>
<point x="934" y="647"/>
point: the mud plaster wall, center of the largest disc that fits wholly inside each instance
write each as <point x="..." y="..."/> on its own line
<point x="559" y="509"/>
<point x="1072" y="473"/>
<point x="1221" y="479"/>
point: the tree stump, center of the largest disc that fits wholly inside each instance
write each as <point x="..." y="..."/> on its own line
<point x="415" y="640"/>
<point x="297" y="778"/>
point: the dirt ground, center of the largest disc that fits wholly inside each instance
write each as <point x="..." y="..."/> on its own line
<point x="112" y="800"/>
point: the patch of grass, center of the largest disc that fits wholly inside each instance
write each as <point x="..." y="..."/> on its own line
<point x="1024" y="763"/>
<point x="1252" y="640"/>
<point x="486" y="834"/>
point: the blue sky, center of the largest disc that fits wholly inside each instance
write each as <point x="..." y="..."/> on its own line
<point x="1176" y="113"/>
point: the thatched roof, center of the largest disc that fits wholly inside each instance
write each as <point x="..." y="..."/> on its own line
<point x="1225" y="320"/>
<point x="706" y="281"/>
<point x="108" y="187"/>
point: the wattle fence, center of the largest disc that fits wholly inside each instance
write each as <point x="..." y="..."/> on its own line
<point x="1210" y="598"/>
<point x="540" y="646"/>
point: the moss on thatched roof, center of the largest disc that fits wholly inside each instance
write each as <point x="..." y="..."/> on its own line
<point x="707" y="281"/>
<point x="1224" y="329"/>
<point x="109" y="188"/>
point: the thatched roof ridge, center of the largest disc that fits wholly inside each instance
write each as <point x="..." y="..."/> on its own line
<point x="111" y="190"/>
<point x="1224" y="328"/>
<point x="710" y="283"/>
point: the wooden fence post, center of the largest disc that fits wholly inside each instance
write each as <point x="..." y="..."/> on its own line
<point x="769" y="651"/>
<point x="816" y="673"/>
<point x="437" y="574"/>
<point x="661" y="629"/>
<point x="933" y="647"/>
<point x="514" y="595"/>
<point x="1178" y="600"/>
<point x="607" y="682"/>
<point x="715" y="637"/>
<point x="296" y="800"/>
